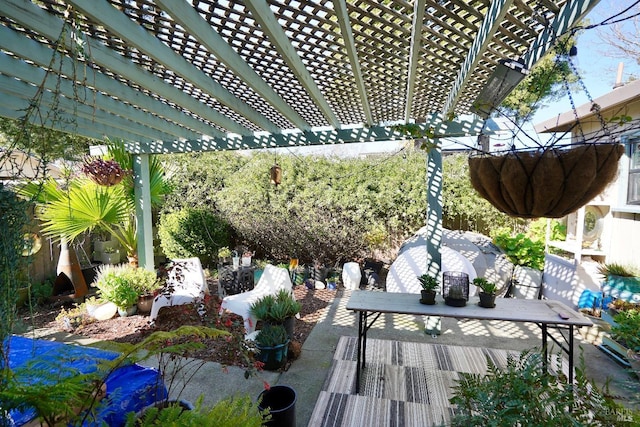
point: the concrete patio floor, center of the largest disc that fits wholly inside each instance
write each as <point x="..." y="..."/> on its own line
<point x="308" y="373"/>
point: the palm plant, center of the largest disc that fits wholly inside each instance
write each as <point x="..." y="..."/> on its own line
<point x="84" y="206"/>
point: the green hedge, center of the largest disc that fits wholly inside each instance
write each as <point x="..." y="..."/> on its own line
<point x="326" y="209"/>
<point x="193" y="233"/>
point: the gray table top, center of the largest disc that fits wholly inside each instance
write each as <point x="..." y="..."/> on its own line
<point x="508" y="309"/>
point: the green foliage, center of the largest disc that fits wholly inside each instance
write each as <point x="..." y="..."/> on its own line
<point x="144" y="281"/>
<point x="224" y="252"/>
<point x="83" y="206"/>
<point x="615" y="269"/>
<point x="463" y="208"/>
<point x="190" y="233"/>
<point x="537" y="230"/>
<point x="45" y="143"/>
<point x="524" y="393"/>
<point x="486" y="286"/>
<point x="627" y="329"/>
<point x="545" y="82"/>
<point x="275" y="308"/>
<point x="80" y="207"/>
<point x="13" y="222"/>
<point x="342" y="207"/>
<point x="428" y="283"/>
<point x="229" y="412"/>
<point x="122" y="284"/>
<point x="40" y="292"/>
<point x="271" y="336"/>
<point x="521" y="250"/>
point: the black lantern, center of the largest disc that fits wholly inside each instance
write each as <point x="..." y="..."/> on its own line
<point x="455" y="288"/>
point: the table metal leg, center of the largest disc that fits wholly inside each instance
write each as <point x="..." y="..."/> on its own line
<point x="359" y="357"/>
<point x="545" y="346"/>
<point x="571" y="354"/>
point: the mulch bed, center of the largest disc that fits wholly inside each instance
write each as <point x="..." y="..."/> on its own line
<point x="133" y="329"/>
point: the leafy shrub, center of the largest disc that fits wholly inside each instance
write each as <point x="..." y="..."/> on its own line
<point x="228" y="412"/>
<point x="122" y="284"/>
<point x="524" y="393"/>
<point x="13" y="220"/>
<point x="463" y="208"/>
<point x="521" y="250"/>
<point x="326" y="209"/>
<point x="190" y="233"/>
<point x="627" y="329"/>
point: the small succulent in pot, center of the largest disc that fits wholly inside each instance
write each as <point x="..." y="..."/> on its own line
<point x="429" y="287"/>
<point x="488" y="292"/>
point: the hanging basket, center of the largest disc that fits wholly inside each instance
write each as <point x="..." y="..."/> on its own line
<point x="103" y="172"/>
<point x="545" y="183"/>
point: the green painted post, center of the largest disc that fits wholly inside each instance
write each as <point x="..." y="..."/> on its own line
<point x="434" y="226"/>
<point x="141" y="178"/>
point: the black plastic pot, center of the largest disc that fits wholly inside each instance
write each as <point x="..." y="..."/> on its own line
<point x="280" y="400"/>
<point x="487" y="300"/>
<point x="275" y="357"/>
<point x="428" y="297"/>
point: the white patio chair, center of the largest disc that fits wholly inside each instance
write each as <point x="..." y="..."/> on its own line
<point x="272" y="280"/>
<point x="186" y="284"/>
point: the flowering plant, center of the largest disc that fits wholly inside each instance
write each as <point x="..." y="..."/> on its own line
<point x="103" y="172"/>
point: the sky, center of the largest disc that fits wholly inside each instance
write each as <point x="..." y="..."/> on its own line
<point x="594" y="63"/>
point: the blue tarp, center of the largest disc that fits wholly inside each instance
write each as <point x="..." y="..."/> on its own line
<point x="129" y="388"/>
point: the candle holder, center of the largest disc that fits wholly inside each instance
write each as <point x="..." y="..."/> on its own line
<point x="455" y="288"/>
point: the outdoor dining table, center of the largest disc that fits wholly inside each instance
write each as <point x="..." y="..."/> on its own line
<point x="545" y="313"/>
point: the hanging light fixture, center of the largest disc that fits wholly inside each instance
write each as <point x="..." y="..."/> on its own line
<point x="504" y="79"/>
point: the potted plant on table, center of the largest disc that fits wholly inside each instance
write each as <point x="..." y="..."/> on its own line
<point x="429" y="287"/>
<point x="488" y="292"/>
<point x="272" y="343"/>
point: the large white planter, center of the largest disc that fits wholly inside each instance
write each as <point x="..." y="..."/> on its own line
<point x="529" y="281"/>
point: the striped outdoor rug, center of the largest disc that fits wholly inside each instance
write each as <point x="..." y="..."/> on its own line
<point x="403" y="384"/>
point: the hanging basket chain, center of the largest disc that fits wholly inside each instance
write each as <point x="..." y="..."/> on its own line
<point x="595" y="108"/>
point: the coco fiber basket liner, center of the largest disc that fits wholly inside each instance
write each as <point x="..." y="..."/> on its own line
<point x="550" y="182"/>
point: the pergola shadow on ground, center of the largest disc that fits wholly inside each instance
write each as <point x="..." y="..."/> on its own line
<point x="307" y="374"/>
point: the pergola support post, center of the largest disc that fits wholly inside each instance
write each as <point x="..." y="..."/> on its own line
<point x="434" y="225"/>
<point x="141" y="180"/>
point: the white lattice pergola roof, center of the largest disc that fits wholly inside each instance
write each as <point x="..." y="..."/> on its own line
<point x="185" y="75"/>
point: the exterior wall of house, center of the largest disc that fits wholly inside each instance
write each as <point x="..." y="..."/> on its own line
<point x="619" y="239"/>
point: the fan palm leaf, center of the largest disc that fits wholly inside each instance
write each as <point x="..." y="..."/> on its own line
<point x="83" y="207"/>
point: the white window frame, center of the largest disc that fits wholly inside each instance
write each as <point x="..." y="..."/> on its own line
<point x="626" y="170"/>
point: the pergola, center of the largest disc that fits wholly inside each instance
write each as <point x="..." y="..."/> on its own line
<point x="194" y="75"/>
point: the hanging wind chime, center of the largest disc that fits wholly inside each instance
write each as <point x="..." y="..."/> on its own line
<point x="276" y="173"/>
